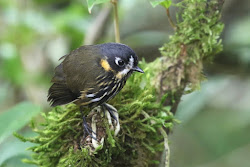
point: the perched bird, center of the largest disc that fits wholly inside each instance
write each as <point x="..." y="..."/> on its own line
<point x="91" y="75"/>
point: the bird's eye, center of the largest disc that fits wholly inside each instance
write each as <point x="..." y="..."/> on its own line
<point x="119" y="62"/>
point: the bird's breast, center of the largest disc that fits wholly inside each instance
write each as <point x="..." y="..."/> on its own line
<point x="107" y="87"/>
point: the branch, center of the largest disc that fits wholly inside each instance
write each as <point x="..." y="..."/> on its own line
<point x="170" y="19"/>
<point x="116" y="21"/>
<point x="96" y="29"/>
<point x="165" y="136"/>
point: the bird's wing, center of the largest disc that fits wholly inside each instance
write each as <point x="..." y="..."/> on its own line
<point x="82" y="68"/>
<point x="59" y="93"/>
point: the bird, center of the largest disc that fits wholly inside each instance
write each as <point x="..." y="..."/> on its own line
<point x="91" y="75"/>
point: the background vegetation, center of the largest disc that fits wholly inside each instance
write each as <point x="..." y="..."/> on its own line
<point x="34" y="34"/>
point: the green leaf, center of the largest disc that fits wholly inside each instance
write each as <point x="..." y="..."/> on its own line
<point x="13" y="150"/>
<point x="16" y="118"/>
<point x="164" y="3"/>
<point x="92" y="3"/>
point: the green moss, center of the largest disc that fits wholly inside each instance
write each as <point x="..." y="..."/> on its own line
<point x="198" y="30"/>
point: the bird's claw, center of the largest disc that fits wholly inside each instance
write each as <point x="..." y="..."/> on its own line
<point x="87" y="130"/>
<point x="112" y="112"/>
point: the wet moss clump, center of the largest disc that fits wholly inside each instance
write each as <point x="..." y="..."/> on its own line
<point x="60" y="137"/>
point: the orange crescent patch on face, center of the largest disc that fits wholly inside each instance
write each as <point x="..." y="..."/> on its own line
<point x="104" y="63"/>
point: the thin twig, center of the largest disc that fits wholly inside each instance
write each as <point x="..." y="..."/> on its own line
<point x="170" y="19"/>
<point x="116" y="21"/>
<point x="97" y="28"/>
<point x="165" y="136"/>
<point x="166" y="146"/>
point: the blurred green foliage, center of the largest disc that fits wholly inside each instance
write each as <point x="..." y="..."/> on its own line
<point x="214" y="125"/>
<point x="26" y="26"/>
<point x="237" y="41"/>
<point x="164" y="3"/>
<point x="13" y="120"/>
<point x="16" y="118"/>
<point x="92" y="3"/>
<point x="11" y="65"/>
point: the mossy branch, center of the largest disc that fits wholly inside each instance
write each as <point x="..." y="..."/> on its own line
<point x="144" y="104"/>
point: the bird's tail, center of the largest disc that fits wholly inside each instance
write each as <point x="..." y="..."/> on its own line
<point x="59" y="94"/>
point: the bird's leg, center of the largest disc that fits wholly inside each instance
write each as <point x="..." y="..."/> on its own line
<point x="86" y="127"/>
<point x="111" y="110"/>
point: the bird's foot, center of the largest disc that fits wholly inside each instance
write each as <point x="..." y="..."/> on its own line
<point x="87" y="130"/>
<point x="95" y="128"/>
<point x="111" y="110"/>
<point x="112" y="113"/>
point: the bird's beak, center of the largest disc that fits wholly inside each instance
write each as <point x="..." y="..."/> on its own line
<point x="138" y="69"/>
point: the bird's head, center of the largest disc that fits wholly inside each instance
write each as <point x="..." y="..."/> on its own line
<point x="120" y="59"/>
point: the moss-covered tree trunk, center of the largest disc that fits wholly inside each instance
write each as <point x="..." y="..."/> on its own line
<point x="146" y="104"/>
